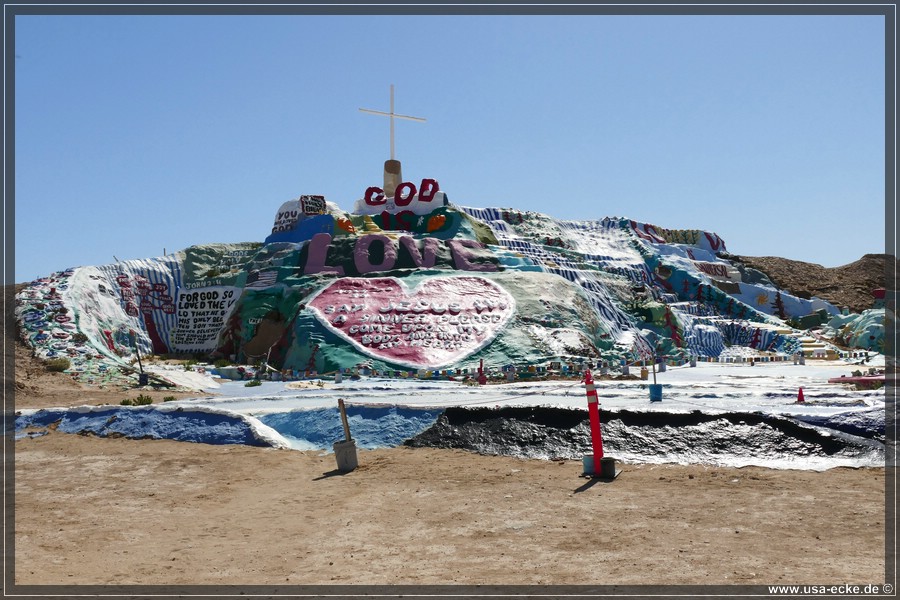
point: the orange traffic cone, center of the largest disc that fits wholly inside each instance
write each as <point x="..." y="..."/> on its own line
<point x="800" y="396"/>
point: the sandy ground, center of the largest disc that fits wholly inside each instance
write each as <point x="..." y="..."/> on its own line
<point x="117" y="511"/>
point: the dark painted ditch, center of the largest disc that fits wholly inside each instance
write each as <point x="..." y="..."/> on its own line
<point x="542" y="432"/>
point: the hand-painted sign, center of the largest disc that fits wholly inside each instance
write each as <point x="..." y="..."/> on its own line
<point x="312" y="205"/>
<point x="140" y="297"/>
<point x="719" y="270"/>
<point x="293" y="211"/>
<point x="658" y="235"/>
<point x="202" y="314"/>
<point x="440" y="322"/>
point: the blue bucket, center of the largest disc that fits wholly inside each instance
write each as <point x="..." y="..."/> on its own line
<point x="655" y="392"/>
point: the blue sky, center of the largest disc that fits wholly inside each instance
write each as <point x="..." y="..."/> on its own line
<point x="136" y="134"/>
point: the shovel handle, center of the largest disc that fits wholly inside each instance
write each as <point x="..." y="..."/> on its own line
<point x="344" y="419"/>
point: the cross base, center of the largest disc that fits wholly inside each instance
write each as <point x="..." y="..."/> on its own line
<point x="392" y="177"/>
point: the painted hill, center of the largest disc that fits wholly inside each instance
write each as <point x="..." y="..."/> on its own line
<point x="418" y="283"/>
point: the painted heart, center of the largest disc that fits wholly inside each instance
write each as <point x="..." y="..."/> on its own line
<point x="438" y="323"/>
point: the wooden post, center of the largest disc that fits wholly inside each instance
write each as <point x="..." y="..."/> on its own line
<point x="136" y="351"/>
<point x="344" y="419"/>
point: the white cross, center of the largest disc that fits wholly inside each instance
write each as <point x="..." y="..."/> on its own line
<point x="392" y="115"/>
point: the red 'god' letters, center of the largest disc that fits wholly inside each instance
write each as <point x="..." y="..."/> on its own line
<point x="404" y="193"/>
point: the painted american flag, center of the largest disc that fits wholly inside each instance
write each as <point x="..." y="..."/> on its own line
<point x="261" y="279"/>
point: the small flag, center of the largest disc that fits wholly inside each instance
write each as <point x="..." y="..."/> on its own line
<point x="261" y="279"/>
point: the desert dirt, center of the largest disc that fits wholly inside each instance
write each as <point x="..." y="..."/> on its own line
<point x="115" y="511"/>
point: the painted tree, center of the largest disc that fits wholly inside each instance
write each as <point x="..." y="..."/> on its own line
<point x="757" y="338"/>
<point x="673" y="328"/>
<point x="311" y="366"/>
<point x="779" y="306"/>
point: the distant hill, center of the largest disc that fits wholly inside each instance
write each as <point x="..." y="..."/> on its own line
<point x="848" y="285"/>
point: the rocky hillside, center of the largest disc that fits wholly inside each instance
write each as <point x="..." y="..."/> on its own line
<point x="848" y="285"/>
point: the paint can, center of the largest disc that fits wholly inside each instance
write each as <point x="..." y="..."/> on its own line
<point x="655" y="392"/>
<point x="607" y="467"/>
